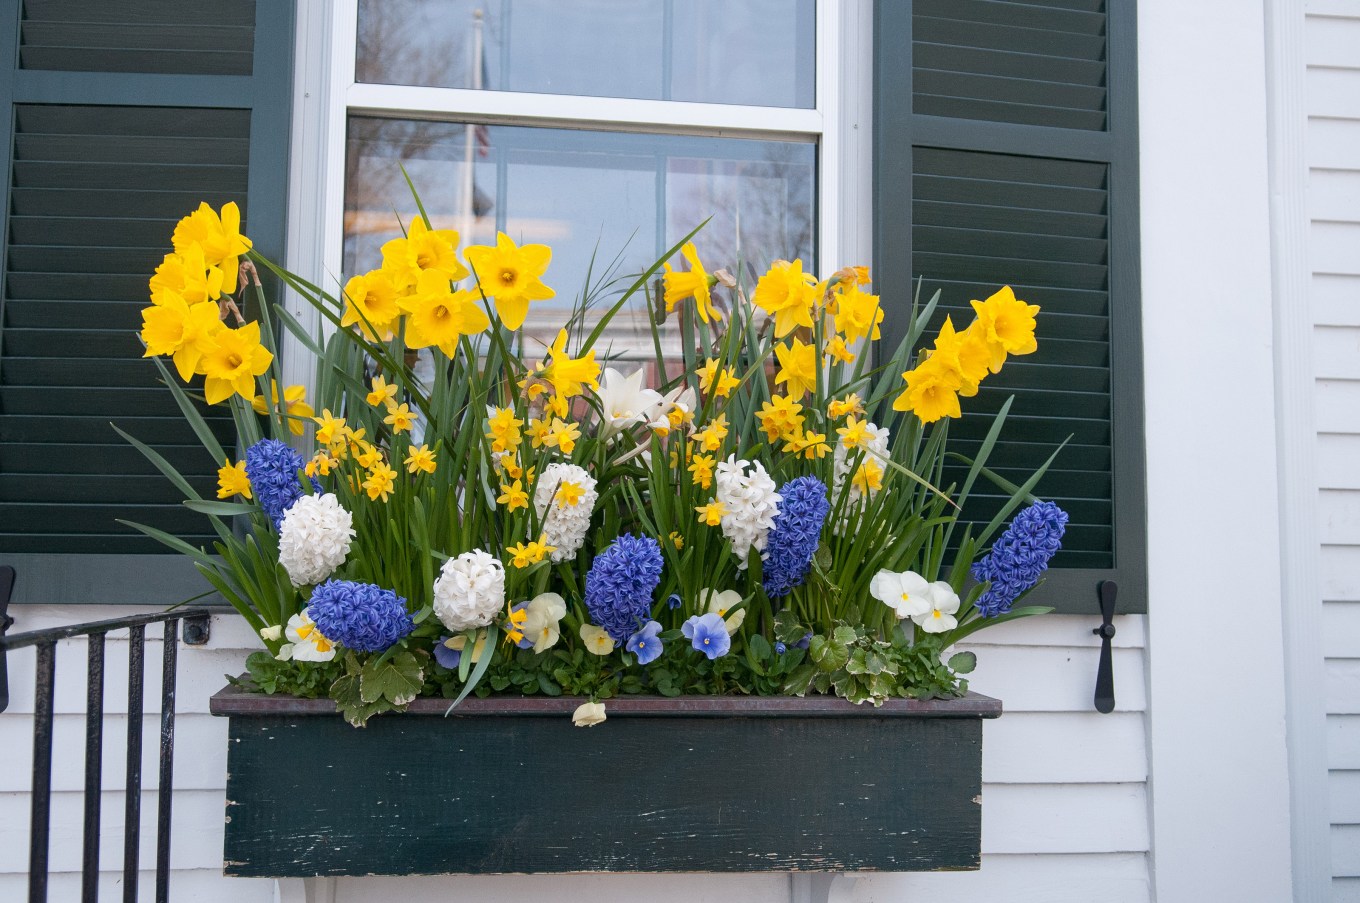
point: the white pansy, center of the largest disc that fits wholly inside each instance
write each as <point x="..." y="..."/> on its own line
<point x="597" y="639"/>
<point x="305" y="642"/>
<point x="564" y="524"/>
<point x="719" y="603"/>
<point x="944" y="602"/>
<point x="750" y="505"/>
<point x="623" y="400"/>
<point x="905" y="592"/>
<point x="588" y="714"/>
<point x="541" y="620"/>
<point x="314" y="538"/>
<point x="470" y="591"/>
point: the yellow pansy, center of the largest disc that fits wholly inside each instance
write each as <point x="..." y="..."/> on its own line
<point x="511" y="274"/>
<point x="232" y="480"/>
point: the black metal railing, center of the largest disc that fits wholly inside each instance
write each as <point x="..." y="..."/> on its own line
<point x="195" y="632"/>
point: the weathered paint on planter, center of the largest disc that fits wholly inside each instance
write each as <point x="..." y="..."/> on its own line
<point x="693" y="784"/>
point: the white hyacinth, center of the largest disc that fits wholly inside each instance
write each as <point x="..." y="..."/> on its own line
<point x="874" y="448"/>
<point x="749" y="505"/>
<point x="470" y="591"/>
<point x="565" y="512"/>
<point x="314" y="538"/>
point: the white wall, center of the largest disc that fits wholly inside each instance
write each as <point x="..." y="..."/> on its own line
<point x="1332" y="42"/>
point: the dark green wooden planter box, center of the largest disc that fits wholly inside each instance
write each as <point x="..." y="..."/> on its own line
<point x="694" y="784"/>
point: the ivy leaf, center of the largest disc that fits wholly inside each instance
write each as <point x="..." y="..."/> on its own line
<point x="962" y="662"/>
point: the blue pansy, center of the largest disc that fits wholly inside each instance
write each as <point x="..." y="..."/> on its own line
<point x="448" y="652"/>
<point x="796" y="533"/>
<point x="646" y="643"/>
<point x="1019" y="558"/>
<point x="620" y="585"/>
<point x="359" y="616"/>
<point x="708" y="634"/>
<point x="272" y="468"/>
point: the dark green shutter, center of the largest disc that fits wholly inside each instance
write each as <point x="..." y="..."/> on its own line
<point x="1006" y="153"/>
<point x="122" y="117"/>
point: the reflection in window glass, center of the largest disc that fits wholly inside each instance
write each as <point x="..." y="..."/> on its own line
<point x="756" y="52"/>
<point x="583" y="192"/>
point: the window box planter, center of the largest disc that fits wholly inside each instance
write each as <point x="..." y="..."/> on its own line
<point x="691" y="784"/>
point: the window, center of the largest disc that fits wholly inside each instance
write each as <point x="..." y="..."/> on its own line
<point x="595" y="127"/>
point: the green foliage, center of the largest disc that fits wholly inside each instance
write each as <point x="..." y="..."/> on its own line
<point x="378" y="684"/>
<point x="862" y="667"/>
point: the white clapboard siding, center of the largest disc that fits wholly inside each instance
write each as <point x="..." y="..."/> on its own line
<point x="1064" y="788"/>
<point x="192" y="885"/>
<point x="1332" y="36"/>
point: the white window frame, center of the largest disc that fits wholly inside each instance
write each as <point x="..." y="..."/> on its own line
<point x="326" y="94"/>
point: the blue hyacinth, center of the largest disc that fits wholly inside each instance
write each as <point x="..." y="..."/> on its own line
<point x="1019" y="558"/>
<point x="621" y="583"/>
<point x="359" y="616"/>
<point x="793" y="540"/>
<point x="272" y="468"/>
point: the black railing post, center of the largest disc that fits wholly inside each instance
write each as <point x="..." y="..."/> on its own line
<point x="6" y="622"/>
<point x="40" y="812"/>
<point x="167" y="771"/>
<point x="132" y="789"/>
<point x="94" y="768"/>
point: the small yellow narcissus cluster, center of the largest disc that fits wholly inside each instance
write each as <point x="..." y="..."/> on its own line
<point x="1004" y="325"/>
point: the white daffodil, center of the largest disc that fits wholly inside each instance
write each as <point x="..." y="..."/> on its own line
<point x="623" y="400"/>
<point x="944" y="602"/>
<point x="905" y="592"/>
<point x="588" y="714"/>
<point x="542" y="616"/>
<point x="719" y="603"/>
<point x="305" y="642"/>
<point x="597" y="639"/>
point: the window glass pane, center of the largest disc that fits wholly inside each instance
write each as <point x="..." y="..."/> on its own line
<point x="756" y="52"/>
<point x="591" y="196"/>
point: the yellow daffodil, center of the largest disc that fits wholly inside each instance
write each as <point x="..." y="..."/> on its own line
<point x="371" y="305"/>
<point x="677" y="540"/>
<point x="219" y="238"/>
<point x="839" y="407"/>
<point x="232" y="480"/>
<point x="514" y="624"/>
<point x="320" y="464"/>
<point x="711" y="437"/>
<point x="380" y="481"/>
<point x="797" y="367"/>
<point x="422" y="251"/>
<point x="510" y="464"/>
<point x="367" y="455"/>
<point x="779" y="417"/>
<point x="695" y="284"/>
<point x="858" y="314"/>
<point x="598" y="642"/>
<point x="788" y="294"/>
<point x="513" y="496"/>
<point x="810" y="445"/>
<point x="931" y="392"/>
<point x="718" y="380"/>
<point x="558" y="406"/>
<point x="295" y="406"/>
<point x="569" y="375"/>
<point x="420" y="460"/>
<point x="965" y="353"/>
<point x="382" y="392"/>
<point x="330" y="430"/>
<point x="439" y="316"/>
<point x="512" y="275"/>
<point x="1006" y="324"/>
<point x="712" y="513"/>
<point x="568" y="494"/>
<point x="868" y="477"/>
<point x="188" y="276"/>
<point x="400" y="417"/>
<point x="838" y="350"/>
<point x="184" y="331"/>
<point x="525" y="555"/>
<point x="701" y="466"/>
<point x="563" y="435"/>
<point x="502" y="428"/>
<point x="854" y="434"/>
<point x="539" y="430"/>
<point x="234" y="360"/>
